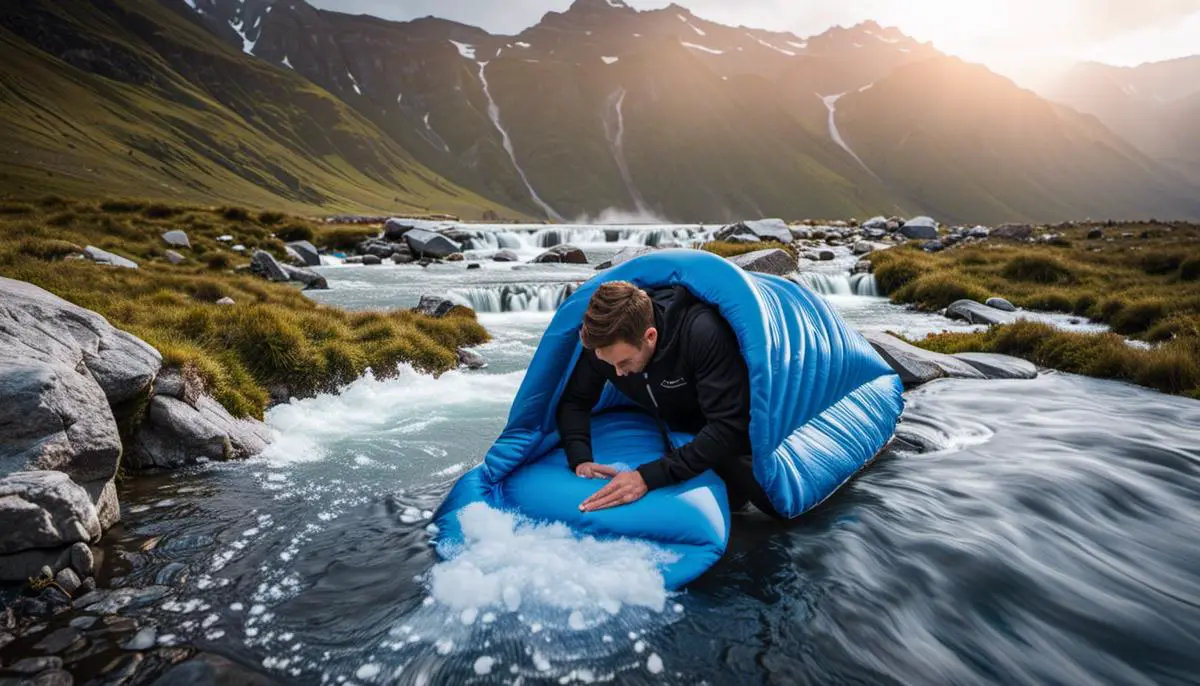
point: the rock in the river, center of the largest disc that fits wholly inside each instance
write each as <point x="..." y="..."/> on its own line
<point x="142" y="640"/>
<point x="34" y="665"/>
<point x="82" y="560"/>
<point x="975" y="313"/>
<point x="312" y="281"/>
<point x="371" y="261"/>
<point x="1001" y="304"/>
<point x="506" y="256"/>
<point x="104" y="257"/>
<point x="396" y="228"/>
<point x="265" y="265"/>
<point x="176" y="433"/>
<point x="307" y="252"/>
<point x="862" y="248"/>
<point x="825" y="255"/>
<point x="771" y="261"/>
<point x="568" y="254"/>
<point x="999" y="366"/>
<point x="430" y="244"/>
<point x="916" y="366"/>
<point x="456" y="257"/>
<point x="174" y="257"/>
<point x="67" y="580"/>
<point x="923" y="228"/>
<point x="177" y="239"/>
<point x="39" y="512"/>
<point x="434" y="306"/>
<point x="55" y="677"/>
<point x="474" y="265"/>
<point x="470" y="359"/>
<point x="58" y="641"/>
<point x="875" y="223"/>
<point x="625" y="255"/>
<point x="374" y="246"/>
<point x="212" y="670"/>
<point x="758" y="229"/>
<point x="863" y="267"/>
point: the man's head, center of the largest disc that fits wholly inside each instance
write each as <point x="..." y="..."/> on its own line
<point x="619" y="327"/>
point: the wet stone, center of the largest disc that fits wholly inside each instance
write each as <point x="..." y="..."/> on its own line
<point x="67" y="580"/>
<point x="58" y="641"/>
<point x="34" y="665"/>
<point x="172" y="574"/>
<point x="142" y="640"/>
<point x="84" y="622"/>
<point x="83" y="650"/>
<point x="91" y="597"/>
<point x="55" y="677"/>
<point x="121" y="670"/>
<point x="6" y="638"/>
<point x="113" y="624"/>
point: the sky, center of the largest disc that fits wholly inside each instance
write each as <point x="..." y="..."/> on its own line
<point x="1026" y="40"/>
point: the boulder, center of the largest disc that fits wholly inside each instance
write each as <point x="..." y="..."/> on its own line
<point x="742" y="238"/>
<point x="430" y="244"/>
<point x="265" y="265"/>
<point x="999" y="366"/>
<point x="875" y="223"/>
<point x="933" y="246"/>
<point x="104" y="257"/>
<point x="862" y="267"/>
<point x="862" y="248"/>
<point x="979" y="232"/>
<point x="312" y="281"/>
<point x="625" y="255"/>
<point x="474" y="265"/>
<point x="875" y="234"/>
<point x="307" y="252"/>
<point x="916" y="366"/>
<point x="174" y="257"/>
<point x="470" y="359"/>
<point x="44" y="510"/>
<point x="374" y="246"/>
<point x="1095" y="234"/>
<point x="177" y="239"/>
<point x="434" y="306"/>
<point x="176" y="433"/>
<point x="770" y="261"/>
<point x="759" y="229"/>
<point x="921" y="228"/>
<point x="567" y="254"/>
<point x="976" y="313"/>
<point x="371" y="260"/>
<point x="226" y="301"/>
<point x="396" y="228"/>
<point x="401" y="257"/>
<point x="458" y="235"/>
<point x="506" y="256"/>
<point x="825" y="255"/>
<point x="1001" y="304"/>
<point x="1013" y="232"/>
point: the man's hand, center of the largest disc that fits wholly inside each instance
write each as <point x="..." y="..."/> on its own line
<point x="591" y="470"/>
<point x="625" y="488"/>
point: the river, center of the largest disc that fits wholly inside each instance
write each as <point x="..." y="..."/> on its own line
<point x="1033" y="532"/>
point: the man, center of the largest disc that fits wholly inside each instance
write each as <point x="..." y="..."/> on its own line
<point x="677" y="358"/>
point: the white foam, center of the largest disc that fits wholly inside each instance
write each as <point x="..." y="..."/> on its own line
<point x="483" y="666"/>
<point x="369" y="671"/>
<point x="509" y="564"/>
<point x="654" y="664"/>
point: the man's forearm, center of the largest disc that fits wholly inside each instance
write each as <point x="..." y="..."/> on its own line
<point x="575" y="432"/>
<point x="715" y="442"/>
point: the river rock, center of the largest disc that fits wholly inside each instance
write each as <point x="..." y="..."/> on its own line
<point x="825" y="255"/>
<point x="174" y="257"/>
<point x="1095" y="234"/>
<point x="625" y="255"/>
<point x="979" y="232"/>
<point x="265" y="265"/>
<point x="82" y="560"/>
<point x="862" y="248"/>
<point x="371" y="260"/>
<point x="567" y="254"/>
<point x="456" y="257"/>
<point x="506" y="256"/>
<point x="312" y="281"/>
<point x="374" y="246"/>
<point x="176" y="433"/>
<point x="34" y="665"/>
<point x="177" y="239"/>
<point x="430" y="244"/>
<point x="55" y="677"/>
<point x="770" y="261"/>
<point x="758" y="230"/>
<point x="44" y="509"/>
<point x="875" y="223"/>
<point x="434" y="306"/>
<point x="999" y="366"/>
<point x="212" y="670"/>
<point x="307" y="252"/>
<point x="470" y="359"/>
<point x="58" y="641"/>
<point x="921" y="228"/>
<point x="68" y="580"/>
<point x="396" y="228"/>
<point x="142" y="640"/>
<point x="1001" y="304"/>
<point x="104" y="257"/>
<point x="474" y="265"/>
<point x="976" y="313"/>
<point x="862" y="267"/>
<point x="915" y="365"/>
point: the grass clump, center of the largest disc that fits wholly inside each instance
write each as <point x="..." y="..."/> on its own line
<point x="1189" y="269"/>
<point x="731" y="249"/>
<point x="121" y="206"/>
<point x="344" y="237"/>
<point x="295" y="232"/>
<point x="939" y="289"/>
<point x="271" y="218"/>
<point x="1042" y="269"/>
<point x="272" y="341"/>
<point x="16" y="208"/>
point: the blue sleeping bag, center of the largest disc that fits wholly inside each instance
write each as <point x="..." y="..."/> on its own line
<point x="823" y="403"/>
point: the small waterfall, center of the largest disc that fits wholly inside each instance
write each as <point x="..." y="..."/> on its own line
<point x="616" y="139"/>
<point x="494" y="113"/>
<point x="542" y="238"/>
<point x="513" y="297"/>
<point x="840" y="284"/>
<point x="831" y="104"/>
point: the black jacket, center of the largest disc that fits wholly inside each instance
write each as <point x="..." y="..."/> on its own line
<point x="696" y="382"/>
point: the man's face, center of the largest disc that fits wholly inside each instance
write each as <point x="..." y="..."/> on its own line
<point x="630" y="359"/>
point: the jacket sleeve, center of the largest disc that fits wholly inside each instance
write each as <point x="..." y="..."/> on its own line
<point x="723" y="390"/>
<point x="574" y="413"/>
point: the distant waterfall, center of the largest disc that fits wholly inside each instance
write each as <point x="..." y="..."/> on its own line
<point x="494" y="113"/>
<point x="616" y="139"/>
<point x="513" y="297"/>
<point x="549" y="237"/>
<point x="840" y="284"/>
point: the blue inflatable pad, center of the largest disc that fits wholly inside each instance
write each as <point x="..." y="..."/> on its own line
<point x="823" y="404"/>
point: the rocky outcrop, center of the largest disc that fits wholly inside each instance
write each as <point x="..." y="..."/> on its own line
<point x="176" y="433"/>
<point x="566" y="254"/>
<point x="759" y="230"/>
<point x="307" y="252"/>
<point x="265" y="265"/>
<point x="44" y="509"/>
<point x="771" y="261"/>
<point x="916" y="366"/>
<point x="312" y="281"/>
<point x="975" y="313"/>
<point x="999" y="366"/>
<point x="922" y="228"/>
<point x="430" y="244"/>
<point x="104" y="257"/>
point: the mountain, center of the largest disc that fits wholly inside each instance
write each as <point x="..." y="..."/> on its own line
<point x="126" y="97"/>
<point x="1152" y="105"/>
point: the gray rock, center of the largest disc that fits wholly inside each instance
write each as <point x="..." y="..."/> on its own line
<point x="1015" y="232"/>
<point x="396" y="228"/>
<point x="293" y="257"/>
<point x="55" y="677"/>
<point x="83" y="622"/>
<point x="862" y="248"/>
<point x="355" y="259"/>
<point x="999" y="366"/>
<point x="177" y="239"/>
<point x="470" y="359"/>
<point x="174" y="257"/>
<point x="862" y="267"/>
<point x="307" y="252"/>
<point x="625" y="255"/>
<point x="474" y="265"/>
<point x="825" y="255"/>
<point x="434" y="306"/>
<point x="143" y="640"/>
<point x="979" y="232"/>
<point x="68" y="580"/>
<point x="758" y="229"/>
<point x="82" y="560"/>
<point x="265" y="265"/>
<point x="121" y="599"/>
<point x="312" y="281"/>
<point x="33" y="665"/>
<point x="59" y="640"/>
<point x="44" y="510"/>
<point x="772" y="261"/>
<point x="91" y="598"/>
<point x="371" y="260"/>
<point x="922" y="228"/>
<point x="566" y="254"/>
<point x="226" y="301"/>
<point x="430" y="244"/>
<point x="172" y="382"/>
<point x="1095" y="234"/>
<point x="916" y="366"/>
<point x="976" y="313"/>
<point x="122" y="669"/>
<point x="212" y="670"/>
<point x="377" y="247"/>
<point x="1001" y="304"/>
<point x="743" y="238"/>
<point x="104" y="257"/>
<point x="506" y="256"/>
<point x="176" y="433"/>
<point x="875" y="223"/>
<point x="933" y="246"/>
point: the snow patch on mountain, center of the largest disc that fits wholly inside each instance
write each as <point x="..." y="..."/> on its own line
<point x="765" y="44"/>
<point x="701" y="47"/>
<point x="610" y="60"/>
<point x="467" y="51"/>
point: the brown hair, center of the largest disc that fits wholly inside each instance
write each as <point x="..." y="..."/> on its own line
<point x="619" y="312"/>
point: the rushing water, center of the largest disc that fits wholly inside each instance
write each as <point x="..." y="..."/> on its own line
<point x="1026" y="532"/>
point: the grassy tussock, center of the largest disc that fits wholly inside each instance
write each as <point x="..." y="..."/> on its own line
<point x="731" y="249"/>
<point x="272" y="338"/>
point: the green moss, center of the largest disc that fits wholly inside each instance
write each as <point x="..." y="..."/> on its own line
<point x="731" y="249"/>
<point x="940" y="289"/>
<point x="1138" y="316"/>
<point x="1043" y="269"/>
<point x="343" y="237"/>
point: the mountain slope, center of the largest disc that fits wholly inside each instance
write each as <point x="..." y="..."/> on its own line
<point x="125" y="97"/>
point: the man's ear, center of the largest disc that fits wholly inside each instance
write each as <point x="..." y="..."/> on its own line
<point x="651" y="335"/>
